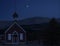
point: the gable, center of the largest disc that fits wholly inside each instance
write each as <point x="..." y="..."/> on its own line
<point x="15" y="26"/>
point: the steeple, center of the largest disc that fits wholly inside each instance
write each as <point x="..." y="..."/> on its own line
<point x="15" y="16"/>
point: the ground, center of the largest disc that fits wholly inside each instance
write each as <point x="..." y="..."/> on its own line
<point x="28" y="45"/>
<point x="35" y="43"/>
<point x="19" y="45"/>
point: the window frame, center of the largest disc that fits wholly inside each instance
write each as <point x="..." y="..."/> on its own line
<point x="9" y="37"/>
<point x="21" y="36"/>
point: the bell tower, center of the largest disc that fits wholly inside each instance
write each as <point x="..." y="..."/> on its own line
<point x="15" y="16"/>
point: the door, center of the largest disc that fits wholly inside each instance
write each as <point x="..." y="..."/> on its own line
<point x="15" y="38"/>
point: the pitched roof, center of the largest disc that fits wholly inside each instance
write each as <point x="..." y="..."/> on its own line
<point x="13" y="25"/>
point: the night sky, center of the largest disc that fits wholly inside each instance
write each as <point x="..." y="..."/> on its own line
<point x="29" y="8"/>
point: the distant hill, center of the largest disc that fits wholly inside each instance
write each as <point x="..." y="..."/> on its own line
<point x="35" y="20"/>
<point x="28" y="21"/>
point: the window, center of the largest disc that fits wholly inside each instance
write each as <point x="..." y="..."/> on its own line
<point x="9" y="36"/>
<point x="21" y="36"/>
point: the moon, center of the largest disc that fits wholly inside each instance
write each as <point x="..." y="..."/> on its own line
<point x="27" y="6"/>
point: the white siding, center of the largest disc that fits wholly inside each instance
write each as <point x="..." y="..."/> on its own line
<point x="21" y="36"/>
<point x="9" y="36"/>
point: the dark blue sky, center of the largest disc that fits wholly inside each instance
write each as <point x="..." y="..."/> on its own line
<point x="29" y="8"/>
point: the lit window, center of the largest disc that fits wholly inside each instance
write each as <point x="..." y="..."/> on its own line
<point x="21" y="36"/>
<point x="9" y="36"/>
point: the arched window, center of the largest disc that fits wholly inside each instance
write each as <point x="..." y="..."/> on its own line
<point x="21" y="36"/>
<point x="9" y="36"/>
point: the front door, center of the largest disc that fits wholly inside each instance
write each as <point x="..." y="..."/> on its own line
<point x="15" y="38"/>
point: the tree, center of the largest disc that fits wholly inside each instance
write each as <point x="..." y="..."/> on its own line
<point x="53" y="23"/>
<point x="53" y="26"/>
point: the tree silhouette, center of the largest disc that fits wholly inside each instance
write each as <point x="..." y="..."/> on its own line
<point x="53" y="23"/>
<point x="53" y="26"/>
